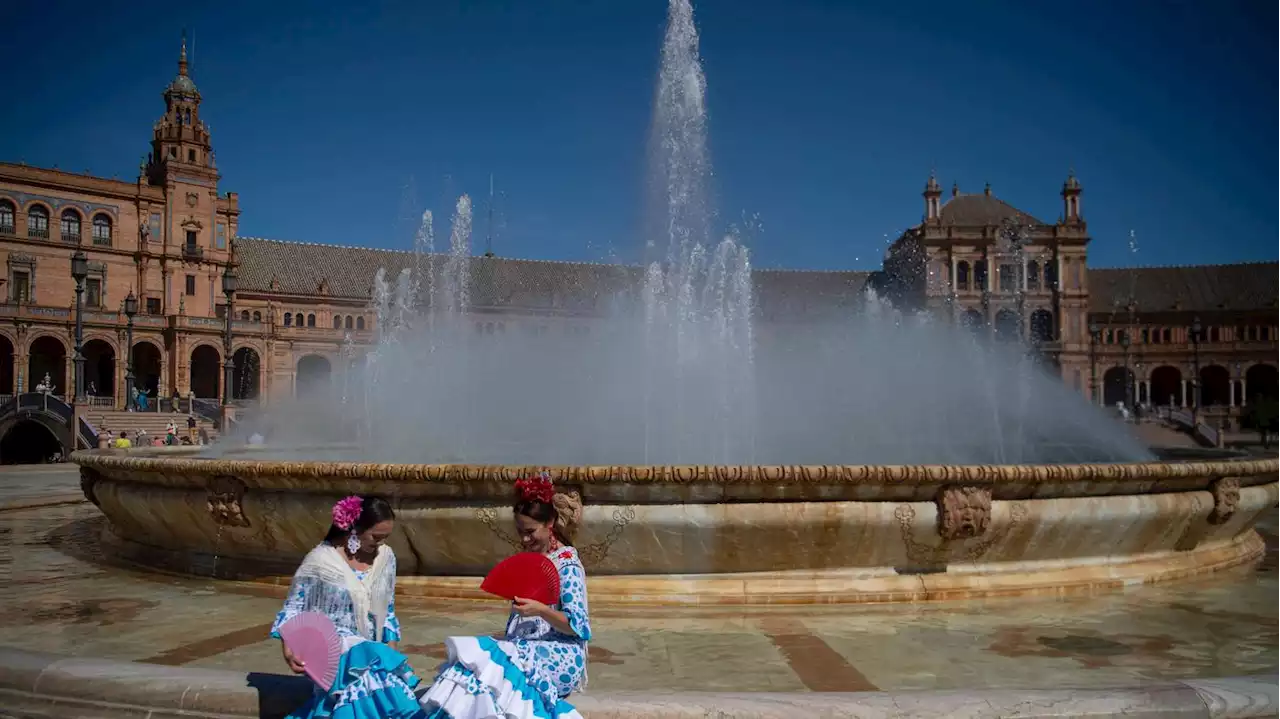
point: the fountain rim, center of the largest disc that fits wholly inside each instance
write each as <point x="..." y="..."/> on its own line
<point x="165" y="462"/>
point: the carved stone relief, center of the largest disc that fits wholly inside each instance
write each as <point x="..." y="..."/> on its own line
<point x="963" y="512"/>
<point x="88" y="480"/>
<point x="1226" y="498"/>
<point x="226" y="493"/>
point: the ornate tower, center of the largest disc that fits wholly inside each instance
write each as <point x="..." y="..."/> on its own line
<point x="187" y="235"/>
<point x="932" y="194"/>
<point x="180" y="140"/>
<point x="1071" y="201"/>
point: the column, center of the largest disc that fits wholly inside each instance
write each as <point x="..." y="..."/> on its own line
<point x="20" y="372"/>
<point x="1182" y="400"/>
<point x="1231" y="388"/>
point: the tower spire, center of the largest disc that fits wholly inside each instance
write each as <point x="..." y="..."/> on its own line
<point x="182" y="57"/>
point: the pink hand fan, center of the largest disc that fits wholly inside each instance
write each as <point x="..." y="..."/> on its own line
<point x="314" y="640"/>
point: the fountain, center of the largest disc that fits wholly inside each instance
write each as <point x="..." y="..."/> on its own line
<point x="714" y="463"/>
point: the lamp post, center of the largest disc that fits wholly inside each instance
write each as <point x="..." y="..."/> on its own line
<point x="1128" y="376"/>
<point x="1196" y="329"/>
<point x="79" y="271"/>
<point x="1094" y="331"/>
<point x="130" y="310"/>
<point x="229" y="281"/>
<point x="1240" y="397"/>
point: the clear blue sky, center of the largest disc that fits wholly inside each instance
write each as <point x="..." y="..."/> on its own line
<point x="825" y="117"/>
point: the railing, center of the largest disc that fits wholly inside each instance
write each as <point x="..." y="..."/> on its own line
<point x="38" y="402"/>
<point x="87" y="434"/>
<point x="192" y="252"/>
<point x="108" y="401"/>
<point x="207" y="408"/>
<point x="36" y="232"/>
<point x="1207" y="434"/>
<point x="71" y="238"/>
<point x="8" y="230"/>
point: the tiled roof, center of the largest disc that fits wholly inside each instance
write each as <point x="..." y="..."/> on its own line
<point x="981" y="210"/>
<point x="299" y="268"/>
<point x="1199" y="288"/>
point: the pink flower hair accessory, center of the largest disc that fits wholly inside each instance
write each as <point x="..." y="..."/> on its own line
<point x="346" y="512"/>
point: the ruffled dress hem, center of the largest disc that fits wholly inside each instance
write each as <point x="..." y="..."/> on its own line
<point x="481" y="681"/>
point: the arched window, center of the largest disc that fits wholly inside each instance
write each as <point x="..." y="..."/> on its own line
<point x="70" y="226"/>
<point x="337" y="322"/>
<point x="244" y="315"/>
<point x="347" y="322"/>
<point x="311" y="320"/>
<point x="359" y="323"/>
<point x="257" y="316"/>
<point x="288" y="319"/>
<point x="102" y="230"/>
<point x="38" y="222"/>
<point x="7" y="214"/>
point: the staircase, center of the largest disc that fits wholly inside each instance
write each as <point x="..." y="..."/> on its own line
<point x="153" y="423"/>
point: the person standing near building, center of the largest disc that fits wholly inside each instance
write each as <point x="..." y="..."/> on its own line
<point x="191" y="427"/>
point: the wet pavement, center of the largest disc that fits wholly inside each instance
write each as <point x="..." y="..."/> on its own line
<point x="62" y="596"/>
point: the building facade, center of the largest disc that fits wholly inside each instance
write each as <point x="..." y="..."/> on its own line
<point x="1141" y="336"/>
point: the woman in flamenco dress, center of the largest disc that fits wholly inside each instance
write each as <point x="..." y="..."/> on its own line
<point x="351" y="578"/>
<point x="543" y="658"/>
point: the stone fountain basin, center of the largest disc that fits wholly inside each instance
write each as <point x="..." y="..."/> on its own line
<point x="710" y="534"/>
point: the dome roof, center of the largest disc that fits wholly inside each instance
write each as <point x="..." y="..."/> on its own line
<point x="183" y="84"/>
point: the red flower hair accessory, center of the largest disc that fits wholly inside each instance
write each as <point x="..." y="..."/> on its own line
<point x="537" y="488"/>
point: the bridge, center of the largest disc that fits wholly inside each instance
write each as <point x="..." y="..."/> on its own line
<point x="36" y="426"/>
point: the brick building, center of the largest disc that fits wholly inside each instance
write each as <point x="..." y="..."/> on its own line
<point x="302" y="310"/>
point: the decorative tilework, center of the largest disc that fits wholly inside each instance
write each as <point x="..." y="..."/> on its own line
<point x="57" y="203"/>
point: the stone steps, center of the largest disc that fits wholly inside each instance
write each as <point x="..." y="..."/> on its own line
<point x="153" y="423"/>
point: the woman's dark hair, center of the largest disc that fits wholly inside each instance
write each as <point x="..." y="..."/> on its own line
<point x="372" y="511"/>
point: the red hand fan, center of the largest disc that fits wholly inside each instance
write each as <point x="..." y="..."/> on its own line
<point x="314" y="640"/>
<point x="528" y="575"/>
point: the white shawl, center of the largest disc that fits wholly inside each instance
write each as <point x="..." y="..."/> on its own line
<point x="328" y="568"/>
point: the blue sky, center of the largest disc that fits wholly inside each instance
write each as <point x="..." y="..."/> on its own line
<point x="825" y="117"/>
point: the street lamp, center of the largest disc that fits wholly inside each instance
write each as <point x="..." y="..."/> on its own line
<point x="229" y="282"/>
<point x="79" y="271"/>
<point x="130" y="309"/>
<point x="1196" y="329"/>
<point x="1128" y="376"/>
<point x="1094" y="331"/>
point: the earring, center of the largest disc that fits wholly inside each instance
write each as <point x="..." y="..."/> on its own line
<point x="353" y="544"/>
<point x="555" y="543"/>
